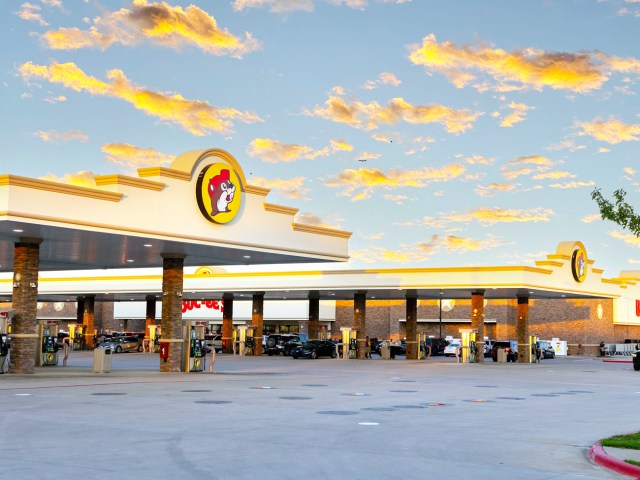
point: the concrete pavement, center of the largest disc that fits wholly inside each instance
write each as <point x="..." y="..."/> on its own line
<point x="280" y="418"/>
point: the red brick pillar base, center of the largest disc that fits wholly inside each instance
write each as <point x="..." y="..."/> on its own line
<point x="227" y="323"/>
<point x="411" y="326"/>
<point x="522" y="328"/>
<point x="172" y="274"/>
<point x="314" y="315"/>
<point x="359" y="321"/>
<point x="257" y="317"/>
<point x="24" y="333"/>
<point x="477" y="322"/>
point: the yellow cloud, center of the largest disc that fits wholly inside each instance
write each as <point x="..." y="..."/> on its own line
<point x="516" y="116"/>
<point x="531" y="160"/>
<point x="368" y="156"/>
<point x="379" y="254"/>
<point x="340" y="144"/>
<point x="197" y="117"/>
<point x="463" y="244"/>
<point x="385" y="78"/>
<point x="315" y="220"/>
<point x="370" y="116"/>
<point x="627" y="238"/>
<point x="82" y="178"/>
<point x="51" y="136"/>
<point x="479" y="160"/>
<point x="568" y="185"/>
<point x="493" y="188"/>
<point x="630" y="171"/>
<point x="159" y="22"/>
<point x="491" y="216"/>
<point x="553" y="175"/>
<point x="131" y="157"/>
<point x="540" y="165"/>
<point x="275" y="6"/>
<point x="290" y="188"/>
<point x="594" y="217"/>
<point x="381" y="137"/>
<point x="611" y="131"/>
<point x="273" y="151"/>
<point x="366" y="180"/>
<point x="578" y="72"/>
<point x="30" y="13"/>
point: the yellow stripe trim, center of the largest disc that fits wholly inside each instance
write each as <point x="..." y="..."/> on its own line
<point x="164" y="172"/>
<point x="263" y="192"/>
<point x="270" y="207"/>
<point x="129" y="181"/>
<point x="299" y="227"/>
<point x="55" y="187"/>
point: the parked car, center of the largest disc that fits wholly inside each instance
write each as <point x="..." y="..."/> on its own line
<point x="213" y="341"/>
<point x="546" y="350"/>
<point x="510" y="346"/>
<point x="451" y="348"/>
<point x="123" y="344"/>
<point x="437" y="345"/>
<point x="636" y="360"/>
<point x="315" y="349"/>
<point x="487" y="347"/>
<point x="276" y="343"/>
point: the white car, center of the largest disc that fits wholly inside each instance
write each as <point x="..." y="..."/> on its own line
<point x="450" y="350"/>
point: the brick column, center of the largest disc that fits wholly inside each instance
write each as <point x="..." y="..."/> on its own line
<point x="88" y="320"/>
<point x="24" y="333"/>
<point x="522" y="328"/>
<point x="314" y="315"/>
<point x="411" y="325"/>
<point x="150" y="317"/>
<point x="172" y="275"/>
<point x="359" y="321"/>
<point x="257" y="316"/>
<point x="227" y="323"/>
<point x="477" y="322"/>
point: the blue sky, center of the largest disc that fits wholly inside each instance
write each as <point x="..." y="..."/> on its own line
<point x="441" y="133"/>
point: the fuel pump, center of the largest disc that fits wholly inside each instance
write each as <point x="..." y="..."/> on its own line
<point x="536" y="354"/>
<point x="240" y="334"/>
<point x="424" y="349"/>
<point x="249" y="341"/>
<point x="468" y="350"/>
<point x="48" y="333"/>
<point x="75" y="333"/>
<point x="348" y="342"/>
<point x="195" y="346"/>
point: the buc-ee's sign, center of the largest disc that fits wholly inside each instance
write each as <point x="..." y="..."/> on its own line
<point x="579" y="264"/>
<point x="219" y="193"/>
<point x="188" y="305"/>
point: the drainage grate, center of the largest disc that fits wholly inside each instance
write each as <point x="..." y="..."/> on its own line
<point x="196" y="391"/>
<point x="213" y="402"/>
<point x="357" y="394"/>
<point x="408" y="406"/>
<point x="403" y="391"/>
<point x="486" y="386"/>
<point x="404" y="381"/>
<point x="108" y="393"/>
<point x="314" y="385"/>
<point x="580" y="391"/>
<point x="296" y="398"/>
<point x="379" y="409"/>
<point x="544" y="395"/>
<point x="511" y="398"/>
<point x="262" y="388"/>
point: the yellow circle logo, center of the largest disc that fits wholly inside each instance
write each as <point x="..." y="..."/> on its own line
<point x="49" y="357"/>
<point x="219" y="193"/>
<point x="579" y="264"/>
<point x="196" y="362"/>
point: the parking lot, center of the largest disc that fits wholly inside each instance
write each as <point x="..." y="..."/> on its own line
<point x="280" y="418"/>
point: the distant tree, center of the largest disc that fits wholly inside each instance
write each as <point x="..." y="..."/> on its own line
<point x="619" y="212"/>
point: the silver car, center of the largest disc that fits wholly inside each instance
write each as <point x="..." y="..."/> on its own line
<point x="123" y="344"/>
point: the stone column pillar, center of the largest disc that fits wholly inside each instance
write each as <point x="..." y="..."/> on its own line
<point x="88" y="319"/>
<point x="314" y="315"/>
<point x="522" y="328"/>
<point x="411" y="325"/>
<point x="359" y="321"/>
<point x="227" y="322"/>
<point x="150" y="317"/>
<point x="477" y="322"/>
<point x="172" y="275"/>
<point x="24" y="335"/>
<point x="257" y="317"/>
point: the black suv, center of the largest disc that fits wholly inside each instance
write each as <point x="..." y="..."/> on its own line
<point x="281" y="344"/>
<point x="510" y="346"/>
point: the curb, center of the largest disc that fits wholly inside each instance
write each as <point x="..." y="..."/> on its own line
<point x="599" y="456"/>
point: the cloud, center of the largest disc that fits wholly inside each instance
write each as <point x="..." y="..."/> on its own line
<point x="385" y="78"/>
<point x="131" y="157"/>
<point x="381" y="137"/>
<point x="594" y="217"/>
<point x="289" y="6"/>
<point x="479" y="160"/>
<point x="53" y="3"/>
<point x="359" y="184"/>
<point x="627" y="238"/>
<point x="159" y="22"/>
<point x="612" y="131"/>
<point x="197" y="117"/>
<point x="526" y="165"/>
<point x="82" y="178"/>
<point x="368" y="156"/>
<point x="341" y="145"/>
<point x="370" y="116"/>
<point x="57" y="99"/>
<point x="491" y="216"/>
<point x="455" y="244"/>
<point x="399" y="199"/>
<point x="52" y="136"/>
<point x="556" y="175"/>
<point x="491" y="189"/>
<point x="372" y="254"/>
<point x="516" y="116"/>
<point x="289" y="188"/>
<point x="273" y="151"/>
<point x="315" y="220"/>
<point x="630" y="171"/>
<point x="580" y="72"/>
<point x="30" y="13"/>
<point x="568" y="185"/>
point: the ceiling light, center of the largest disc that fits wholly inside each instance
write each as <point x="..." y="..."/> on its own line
<point x="129" y="260"/>
<point x="147" y="245"/>
<point x="17" y="230"/>
<point x="246" y="256"/>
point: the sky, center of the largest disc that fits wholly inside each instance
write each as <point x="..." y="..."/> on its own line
<point x="441" y="133"/>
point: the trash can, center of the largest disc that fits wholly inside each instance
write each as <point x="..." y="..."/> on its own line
<point x="101" y="360"/>
<point x="385" y="351"/>
<point x="502" y="355"/>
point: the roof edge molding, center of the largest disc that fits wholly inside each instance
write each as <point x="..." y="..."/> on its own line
<point x="188" y="162"/>
<point x="56" y="187"/>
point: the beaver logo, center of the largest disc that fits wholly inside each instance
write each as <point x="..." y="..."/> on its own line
<point x="579" y="265"/>
<point x="221" y="191"/>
